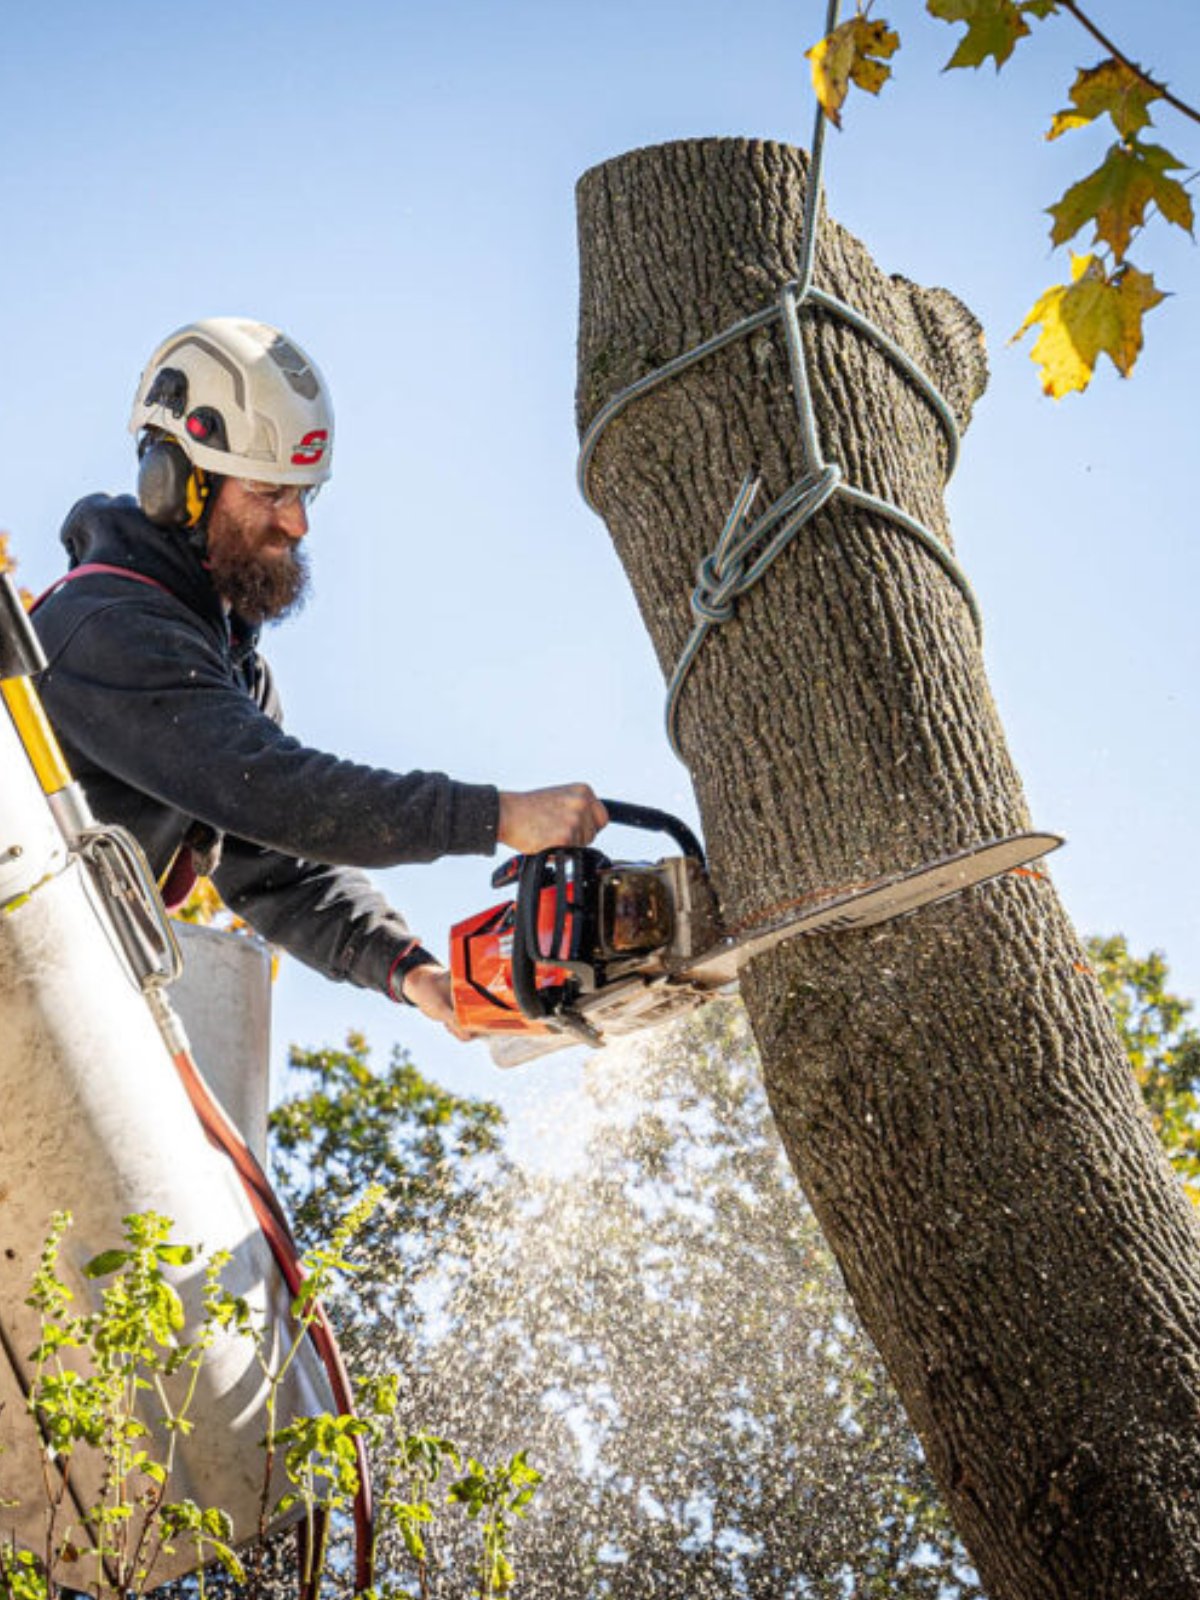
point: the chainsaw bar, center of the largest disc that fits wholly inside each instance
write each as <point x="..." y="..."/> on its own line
<point x="883" y="900"/>
<point x="687" y="981"/>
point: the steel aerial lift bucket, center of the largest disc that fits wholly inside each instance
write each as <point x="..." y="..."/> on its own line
<point x="104" y="1113"/>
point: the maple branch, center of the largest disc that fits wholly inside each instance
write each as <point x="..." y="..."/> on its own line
<point x="1140" y="72"/>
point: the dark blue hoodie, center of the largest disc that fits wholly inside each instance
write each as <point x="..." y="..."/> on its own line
<point x="168" y="717"/>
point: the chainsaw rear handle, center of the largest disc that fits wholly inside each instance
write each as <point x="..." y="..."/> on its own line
<point x="625" y="815"/>
<point x="655" y="821"/>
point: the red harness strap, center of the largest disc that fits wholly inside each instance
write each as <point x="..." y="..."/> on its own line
<point x="87" y="568"/>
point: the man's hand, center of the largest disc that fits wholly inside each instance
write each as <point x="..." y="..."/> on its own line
<point x="541" y="819"/>
<point x="428" y="987"/>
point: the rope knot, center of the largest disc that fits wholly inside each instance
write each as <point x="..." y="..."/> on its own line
<point x="716" y="591"/>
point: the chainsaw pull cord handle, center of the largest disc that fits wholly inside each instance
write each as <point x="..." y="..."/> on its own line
<point x="655" y="821"/>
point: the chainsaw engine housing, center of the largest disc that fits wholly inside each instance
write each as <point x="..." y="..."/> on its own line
<point x="586" y="950"/>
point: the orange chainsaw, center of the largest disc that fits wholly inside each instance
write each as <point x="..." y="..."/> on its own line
<point x="590" y="949"/>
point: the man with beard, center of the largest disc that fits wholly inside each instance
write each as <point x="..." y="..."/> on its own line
<point x="167" y="712"/>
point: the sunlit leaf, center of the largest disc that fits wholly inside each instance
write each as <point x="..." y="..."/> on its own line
<point x="993" y="28"/>
<point x="106" y="1262"/>
<point x="853" y="53"/>
<point x="1092" y="316"/>
<point x="175" y="1255"/>
<point x="1111" y="89"/>
<point x="1115" y="197"/>
<point x="173" y="1308"/>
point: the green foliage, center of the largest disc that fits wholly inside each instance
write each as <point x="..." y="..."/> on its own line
<point x="432" y="1154"/>
<point x="116" y="1379"/>
<point x="433" y="1160"/>
<point x="663" y="1326"/>
<point x="1115" y="198"/>
<point x="321" y="1460"/>
<point x="412" y="1466"/>
<point x="1101" y="311"/>
<point x="22" y="1575"/>
<point x="1162" y="1045"/>
<point x="101" y="1378"/>
<point x="662" y="1331"/>
<point x="358" y="1125"/>
<point x="1111" y="89"/>
<point x="493" y="1496"/>
<point x="209" y="1533"/>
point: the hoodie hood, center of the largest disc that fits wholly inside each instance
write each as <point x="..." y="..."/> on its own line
<point x="115" y="531"/>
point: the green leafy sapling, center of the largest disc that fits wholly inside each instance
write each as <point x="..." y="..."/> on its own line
<point x="116" y="1385"/>
<point x="495" y="1495"/>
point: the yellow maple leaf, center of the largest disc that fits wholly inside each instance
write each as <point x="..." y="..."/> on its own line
<point x="993" y="28"/>
<point x="1095" y="314"/>
<point x="1111" y="89"/>
<point x="854" y="53"/>
<point x="1115" y="198"/>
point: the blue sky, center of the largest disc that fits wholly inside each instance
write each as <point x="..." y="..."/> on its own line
<point x="393" y="185"/>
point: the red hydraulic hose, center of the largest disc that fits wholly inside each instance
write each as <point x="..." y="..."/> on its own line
<point x="274" y="1223"/>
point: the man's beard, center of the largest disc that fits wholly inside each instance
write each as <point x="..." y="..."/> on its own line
<point x="261" y="587"/>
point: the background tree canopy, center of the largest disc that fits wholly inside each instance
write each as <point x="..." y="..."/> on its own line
<point x="659" y="1323"/>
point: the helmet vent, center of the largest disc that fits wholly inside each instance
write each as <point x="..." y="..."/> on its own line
<point x="294" y="367"/>
<point x="169" y="390"/>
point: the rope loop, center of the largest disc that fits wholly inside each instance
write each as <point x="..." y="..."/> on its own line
<point x="744" y="552"/>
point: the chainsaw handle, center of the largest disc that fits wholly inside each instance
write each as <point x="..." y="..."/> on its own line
<point x="537" y="872"/>
<point x="655" y="821"/>
<point x="625" y="815"/>
<point x="531" y="872"/>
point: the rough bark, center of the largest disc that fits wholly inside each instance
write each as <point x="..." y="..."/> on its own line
<point x="950" y="1088"/>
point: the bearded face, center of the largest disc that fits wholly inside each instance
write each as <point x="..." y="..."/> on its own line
<point x="255" y="557"/>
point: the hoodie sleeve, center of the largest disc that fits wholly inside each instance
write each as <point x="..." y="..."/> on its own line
<point x="331" y="918"/>
<point x="142" y="689"/>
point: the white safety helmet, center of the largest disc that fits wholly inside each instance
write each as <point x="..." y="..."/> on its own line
<point x="241" y="400"/>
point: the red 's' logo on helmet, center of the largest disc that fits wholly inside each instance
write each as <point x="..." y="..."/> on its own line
<point x="311" y="448"/>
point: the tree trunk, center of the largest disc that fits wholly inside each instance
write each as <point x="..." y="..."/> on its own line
<point x="949" y="1087"/>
